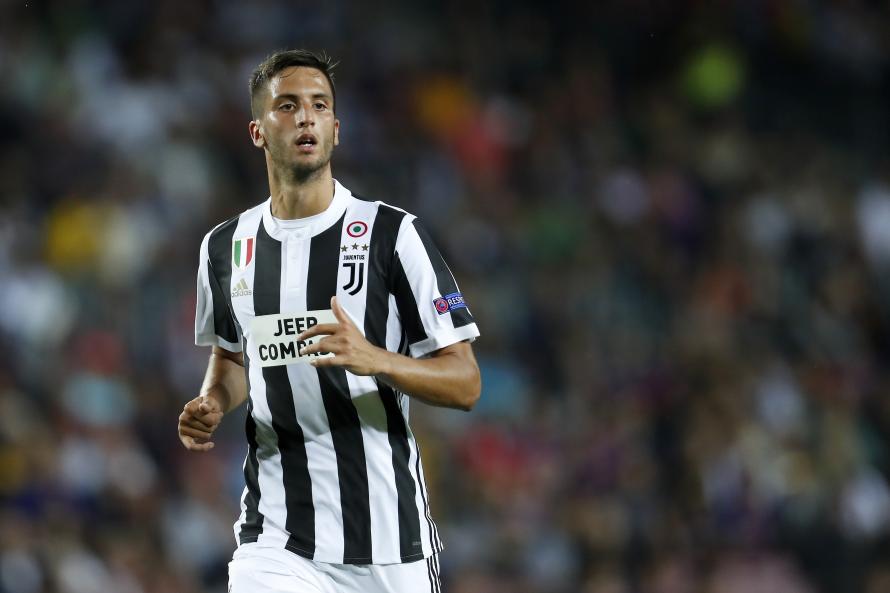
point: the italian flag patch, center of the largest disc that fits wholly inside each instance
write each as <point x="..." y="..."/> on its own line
<point x="242" y="252"/>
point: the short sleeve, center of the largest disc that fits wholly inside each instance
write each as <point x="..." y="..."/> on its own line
<point x="432" y="309"/>
<point x="214" y="325"/>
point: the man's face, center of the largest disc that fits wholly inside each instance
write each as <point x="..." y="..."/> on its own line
<point x="298" y="127"/>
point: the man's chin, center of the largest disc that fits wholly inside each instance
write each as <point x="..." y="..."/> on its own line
<point x="306" y="170"/>
<point x="301" y="166"/>
<point x="306" y="166"/>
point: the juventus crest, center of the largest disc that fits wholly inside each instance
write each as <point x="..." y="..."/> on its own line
<point x="352" y="258"/>
<point x="356" y="277"/>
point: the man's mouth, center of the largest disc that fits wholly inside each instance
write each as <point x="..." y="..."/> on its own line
<point x="306" y="143"/>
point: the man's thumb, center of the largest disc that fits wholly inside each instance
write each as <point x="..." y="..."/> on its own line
<point x="207" y="405"/>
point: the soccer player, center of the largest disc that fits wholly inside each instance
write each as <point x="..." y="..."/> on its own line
<point x="326" y="312"/>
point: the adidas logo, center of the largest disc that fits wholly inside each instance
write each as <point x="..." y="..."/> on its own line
<point x="241" y="289"/>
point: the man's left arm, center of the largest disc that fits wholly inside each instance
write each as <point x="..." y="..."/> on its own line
<point x="448" y="377"/>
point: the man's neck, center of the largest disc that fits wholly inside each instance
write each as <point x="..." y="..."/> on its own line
<point x="293" y="199"/>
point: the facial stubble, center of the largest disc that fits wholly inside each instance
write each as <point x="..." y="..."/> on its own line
<point x="298" y="171"/>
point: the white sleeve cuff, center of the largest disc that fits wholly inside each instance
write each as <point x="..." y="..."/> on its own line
<point x="214" y="340"/>
<point x="442" y="338"/>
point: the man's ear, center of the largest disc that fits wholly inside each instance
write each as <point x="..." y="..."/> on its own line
<point x="336" y="132"/>
<point x="256" y="134"/>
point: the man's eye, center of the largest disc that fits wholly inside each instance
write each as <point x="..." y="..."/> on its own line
<point x="320" y="106"/>
<point x="287" y="107"/>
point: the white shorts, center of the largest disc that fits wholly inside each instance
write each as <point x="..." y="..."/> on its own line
<point x="263" y="569"/>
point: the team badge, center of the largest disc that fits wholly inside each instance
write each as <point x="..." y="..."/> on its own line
<point x="242" y="252"/>
<point x="356" y="277"/>
<point x="357" y="228"/>
<point x="449" y="302"/>
<point x="353" y="257"/>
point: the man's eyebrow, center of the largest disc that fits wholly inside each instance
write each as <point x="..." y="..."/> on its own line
<point x="293" y="97"/>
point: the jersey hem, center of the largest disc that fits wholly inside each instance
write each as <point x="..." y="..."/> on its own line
<point x="362" y="560"/>
<point x="299" y="551"/>
<point x="420" y="556"/>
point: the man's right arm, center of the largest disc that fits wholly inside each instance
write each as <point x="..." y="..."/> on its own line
<point x="224" y="389"/>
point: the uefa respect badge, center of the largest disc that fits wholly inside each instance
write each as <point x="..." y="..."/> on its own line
<point x="449" y="302"/>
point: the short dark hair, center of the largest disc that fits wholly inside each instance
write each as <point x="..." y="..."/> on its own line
<point x="288" y="58"/>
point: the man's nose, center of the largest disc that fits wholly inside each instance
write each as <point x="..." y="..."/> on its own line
<point x="305" y="117"/>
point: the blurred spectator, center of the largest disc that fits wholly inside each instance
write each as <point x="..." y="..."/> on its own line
<point x="672" y="221"/>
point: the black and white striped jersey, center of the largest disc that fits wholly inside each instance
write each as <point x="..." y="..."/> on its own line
<point x="333" y="471"/>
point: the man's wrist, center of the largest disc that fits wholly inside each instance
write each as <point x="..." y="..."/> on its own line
<point x="218" y="395"/>
<point x="384" y="364"/>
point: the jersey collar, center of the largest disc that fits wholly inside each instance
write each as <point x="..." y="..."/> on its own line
<point x="311" y="225"/>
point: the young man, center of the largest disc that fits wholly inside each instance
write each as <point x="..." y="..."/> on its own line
<point x="325" y="311"/>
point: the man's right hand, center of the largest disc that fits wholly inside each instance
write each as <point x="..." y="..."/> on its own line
<point x="198" y="420"/>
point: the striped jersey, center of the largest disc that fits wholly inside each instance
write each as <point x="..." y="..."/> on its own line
<point x="333" y="472"/>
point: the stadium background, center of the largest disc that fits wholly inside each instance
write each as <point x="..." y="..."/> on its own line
<point x="672" y="220"/>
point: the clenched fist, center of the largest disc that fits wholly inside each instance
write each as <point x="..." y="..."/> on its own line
<point x="198" y="420"/>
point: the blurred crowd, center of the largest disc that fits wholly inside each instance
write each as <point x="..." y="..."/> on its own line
<point x="670" y="219"/>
